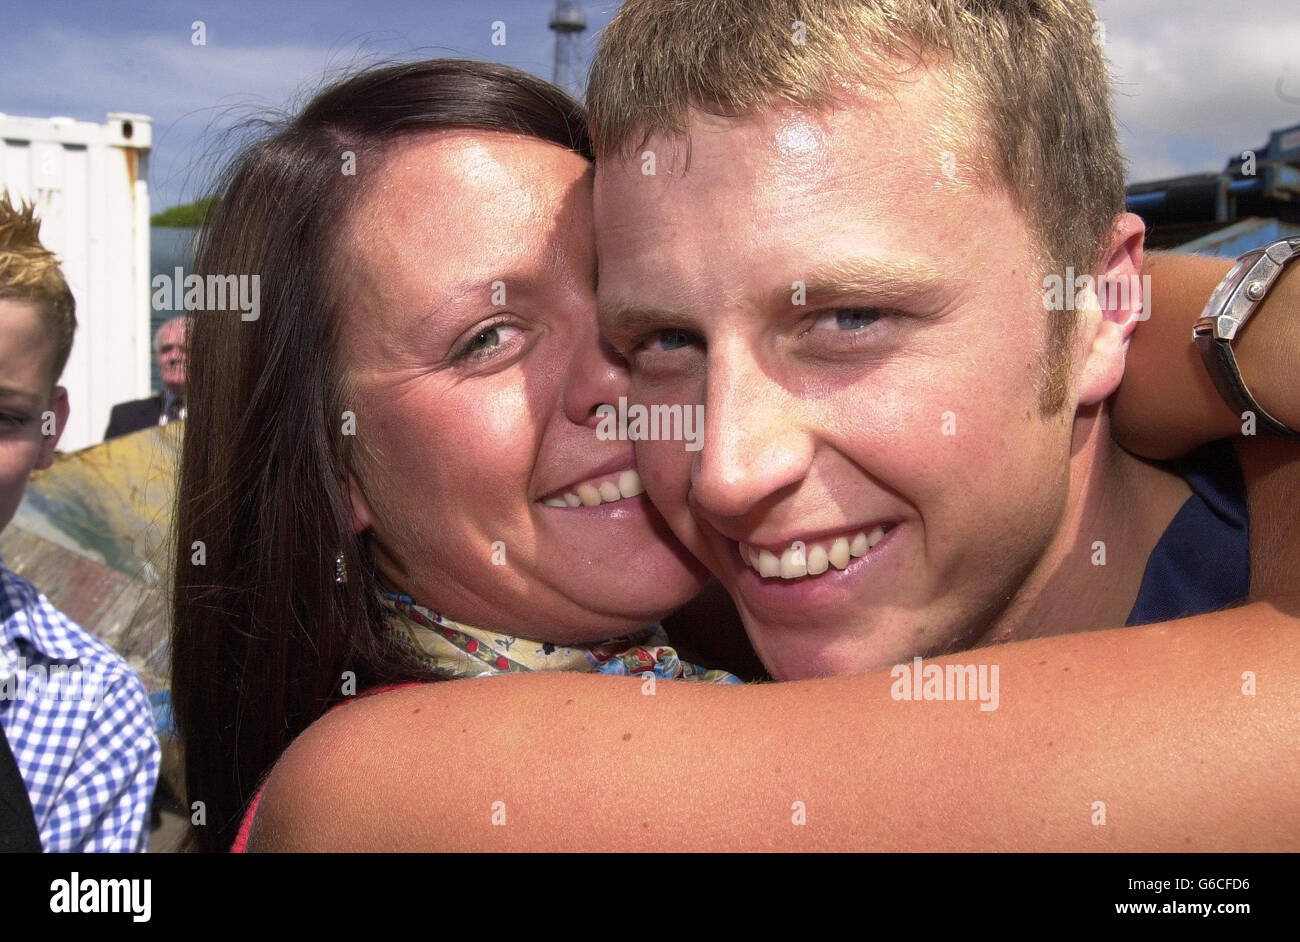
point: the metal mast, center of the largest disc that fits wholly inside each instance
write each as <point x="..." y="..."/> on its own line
<point x="569" y="21"/>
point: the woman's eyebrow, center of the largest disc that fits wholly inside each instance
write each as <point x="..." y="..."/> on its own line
<point x="483" y="287"/>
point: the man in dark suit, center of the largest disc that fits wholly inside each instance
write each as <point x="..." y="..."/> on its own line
<point x="166" y="406"/>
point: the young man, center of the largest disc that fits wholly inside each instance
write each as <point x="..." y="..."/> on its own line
<point x="866" y="276"/>
<point x="79" y="756"/>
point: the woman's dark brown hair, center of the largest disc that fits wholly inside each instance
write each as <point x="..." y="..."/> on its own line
<point x="263" y="634"/>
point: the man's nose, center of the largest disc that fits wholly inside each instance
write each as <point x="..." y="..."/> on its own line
<point x="754" y="445"/>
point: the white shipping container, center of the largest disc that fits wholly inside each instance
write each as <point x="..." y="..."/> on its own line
<point x="90" y="186"/>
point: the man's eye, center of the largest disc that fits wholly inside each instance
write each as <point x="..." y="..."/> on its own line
<point x="669" y="339"/>
<point x="848" y="318"/>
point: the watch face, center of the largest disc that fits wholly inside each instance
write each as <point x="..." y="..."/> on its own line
<point x="1225" y="325"/>
<point x="1219" y="300"/>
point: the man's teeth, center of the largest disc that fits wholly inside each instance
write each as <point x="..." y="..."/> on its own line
<point x="802" y="559"/>
<point x="606" y="492"/>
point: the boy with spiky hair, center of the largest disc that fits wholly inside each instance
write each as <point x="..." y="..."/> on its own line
<point x="79" y="755"/>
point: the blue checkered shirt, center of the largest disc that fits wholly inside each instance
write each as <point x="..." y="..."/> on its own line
<point x="79" y="723"/>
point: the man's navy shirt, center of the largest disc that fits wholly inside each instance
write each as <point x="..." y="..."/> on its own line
<point x="1202" y="562"/>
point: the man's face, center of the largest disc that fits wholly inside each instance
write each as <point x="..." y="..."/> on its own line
<point x="171" y="356"/>
<point x="26" y="355"/>
<point x="893" y="413"/>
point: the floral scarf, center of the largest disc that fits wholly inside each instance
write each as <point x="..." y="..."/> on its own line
<point x="453" y="649"/>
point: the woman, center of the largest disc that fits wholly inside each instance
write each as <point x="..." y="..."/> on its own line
<point x="410" y="420"/>
<point x="712" y="751"/>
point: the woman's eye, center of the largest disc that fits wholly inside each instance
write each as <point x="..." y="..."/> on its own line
<point x="487" y="340"/>
<point x="849" y="318"/>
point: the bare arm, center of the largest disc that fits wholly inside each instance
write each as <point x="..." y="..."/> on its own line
<point x="1167" y="405"/>
<point x="1153" y="722"/>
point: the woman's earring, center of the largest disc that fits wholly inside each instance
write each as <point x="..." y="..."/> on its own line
<point x="340" y="568"/>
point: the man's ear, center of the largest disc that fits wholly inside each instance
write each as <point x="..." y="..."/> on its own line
<point x="59" y="406"/>
<point x="362" y="516"/>
<point x="1121" y="303"/>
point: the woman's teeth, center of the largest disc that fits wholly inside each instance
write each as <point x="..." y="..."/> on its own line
<point x="605" y="492"/>
<point x="804" y="559"/>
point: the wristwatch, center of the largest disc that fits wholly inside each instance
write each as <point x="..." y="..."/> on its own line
<point x="1232" y="304"/>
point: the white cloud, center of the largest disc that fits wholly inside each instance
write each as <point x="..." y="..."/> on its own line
<point x="1197" y="82"/>
<point x="193" y="93"/>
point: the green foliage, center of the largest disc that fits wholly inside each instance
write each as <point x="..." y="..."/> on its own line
<point x="186" y="215"/>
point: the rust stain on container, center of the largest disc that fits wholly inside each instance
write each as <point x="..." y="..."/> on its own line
<point x="92" y="533"/>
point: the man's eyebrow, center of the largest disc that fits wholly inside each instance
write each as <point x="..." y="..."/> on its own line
<point x="875" y="280"/>
<point x="618" y="321"/>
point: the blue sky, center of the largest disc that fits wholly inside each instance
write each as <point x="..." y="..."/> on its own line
<point x="1195" y="83"/>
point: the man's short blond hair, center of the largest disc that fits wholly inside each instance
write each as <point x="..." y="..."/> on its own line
<point x="30" y="272"/>
<point x="1029" y="73"/>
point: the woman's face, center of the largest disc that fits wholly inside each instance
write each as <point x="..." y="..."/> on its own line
<point x="471" y="342"/>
